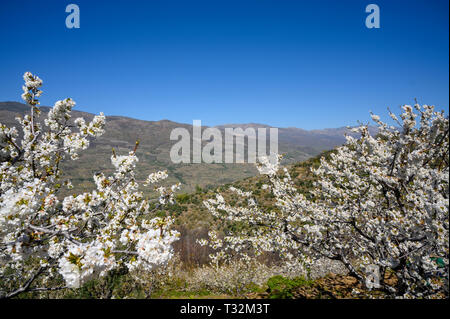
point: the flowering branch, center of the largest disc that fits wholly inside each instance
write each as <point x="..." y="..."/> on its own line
<point x="77" y="237"/>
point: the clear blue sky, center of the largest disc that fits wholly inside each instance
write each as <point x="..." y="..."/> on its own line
<point x="309" y="64"/>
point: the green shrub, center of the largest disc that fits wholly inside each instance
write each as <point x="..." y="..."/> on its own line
<point x="282" y="288"/>
<point x="182" y="198"/>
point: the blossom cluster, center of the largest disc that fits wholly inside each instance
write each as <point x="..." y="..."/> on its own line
<point x="44" y="235"/>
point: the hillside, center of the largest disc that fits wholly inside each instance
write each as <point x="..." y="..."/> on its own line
<point x="192" y="214"/>
<point x="153" y="152"/>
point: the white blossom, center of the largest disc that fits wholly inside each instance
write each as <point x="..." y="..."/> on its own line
<point x="379" y="200"/>
<point x="81" y="236"/>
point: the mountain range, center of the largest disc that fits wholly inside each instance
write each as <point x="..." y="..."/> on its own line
<point x="122" y="132"/>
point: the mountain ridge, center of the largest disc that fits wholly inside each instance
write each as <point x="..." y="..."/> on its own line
<point x="122" y="132"/>
<point x="5" y="104"/>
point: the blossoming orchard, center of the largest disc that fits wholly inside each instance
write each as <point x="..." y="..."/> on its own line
<point x="79" y="237"/>
<point x="378" y="202"/>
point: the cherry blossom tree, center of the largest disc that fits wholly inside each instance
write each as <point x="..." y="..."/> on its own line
<point x="379" y="201"/>
<point x="45" y="236"/>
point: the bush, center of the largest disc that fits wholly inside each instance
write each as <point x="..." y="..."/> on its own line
<point x="282" y="288"/>
<point x="182" y="198"/>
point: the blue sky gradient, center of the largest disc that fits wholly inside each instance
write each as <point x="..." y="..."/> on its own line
<point x="308" y="64"/>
